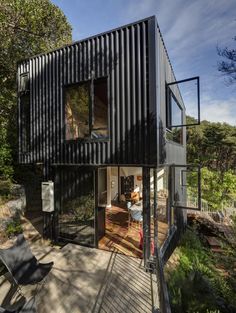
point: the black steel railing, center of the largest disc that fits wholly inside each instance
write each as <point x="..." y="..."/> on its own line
<point x="164" y="302"/>
<point x="155" y="265"/>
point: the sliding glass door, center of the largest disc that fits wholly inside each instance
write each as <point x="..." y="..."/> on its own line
<point x="77" y="205"/>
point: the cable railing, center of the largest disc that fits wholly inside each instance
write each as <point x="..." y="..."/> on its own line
<point x="192" y="202"/>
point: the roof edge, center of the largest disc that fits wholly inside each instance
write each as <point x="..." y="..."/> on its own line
<point x="87" y="38"/>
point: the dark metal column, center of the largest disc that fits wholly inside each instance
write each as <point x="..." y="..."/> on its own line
<point x="57" y="204"/>
<point x="155" y="214"/>
<point x="146" y="214"/>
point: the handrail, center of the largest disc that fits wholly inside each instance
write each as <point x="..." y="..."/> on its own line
<point x="162" y="286"/>
<point x="156" y="266"/>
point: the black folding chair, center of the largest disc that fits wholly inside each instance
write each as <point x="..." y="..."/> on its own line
<point x="23" y="265"/>
<point x="29" y="307"/>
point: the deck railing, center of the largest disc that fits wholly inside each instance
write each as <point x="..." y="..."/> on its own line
<point x="156" y="266"/>
<point x="164" y="302"/>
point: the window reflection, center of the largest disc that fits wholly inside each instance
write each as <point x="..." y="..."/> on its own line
<point x="174" y="120"/>
<point x="86" y="110"/>
<point x="77" y="111"/>
<point x="100" y="125"/>
<point x="176" y="113"/>
<point x="76" y="217"/>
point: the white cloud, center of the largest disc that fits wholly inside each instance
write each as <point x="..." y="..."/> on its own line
<point x="215" y="110"/>
<point x="191" y="31"/>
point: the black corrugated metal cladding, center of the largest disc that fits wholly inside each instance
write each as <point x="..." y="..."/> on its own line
<point x="122" y="55"/>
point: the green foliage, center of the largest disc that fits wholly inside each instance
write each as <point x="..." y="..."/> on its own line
<point x="5" y="187"/>
<point x="213" y="145"/>
<point x="27" y="27"/>
<point x="14" y="228"/>
<point x="195" y="285"/>
<point x="5" y="191"/>
<point x="218" y="190"/>
<point x="6" y="170"/>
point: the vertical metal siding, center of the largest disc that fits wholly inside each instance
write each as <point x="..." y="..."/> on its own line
<point x="121" y="56"/>
<point x="175" y="153"/>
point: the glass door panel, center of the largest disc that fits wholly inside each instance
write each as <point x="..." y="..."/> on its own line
<point x="102" y="202"/>
<point x="77" y="213"/>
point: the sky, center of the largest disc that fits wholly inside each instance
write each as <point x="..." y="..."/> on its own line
<point x="192" y="29"/>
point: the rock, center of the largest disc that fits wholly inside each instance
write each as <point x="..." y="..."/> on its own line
<point x="16" y="206"/>
<point x="17" y="190"/>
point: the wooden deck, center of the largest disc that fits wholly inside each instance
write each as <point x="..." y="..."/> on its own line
<point x="86" y="280"/>
<point x="121" y="237"/>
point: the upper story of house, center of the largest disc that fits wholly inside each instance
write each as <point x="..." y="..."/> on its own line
<point x="102" y="100"/>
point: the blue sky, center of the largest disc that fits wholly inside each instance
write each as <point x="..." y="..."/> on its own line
<point x="191" y="29"/>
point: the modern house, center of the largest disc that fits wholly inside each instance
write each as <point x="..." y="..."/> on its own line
<point x="104" y="120"/>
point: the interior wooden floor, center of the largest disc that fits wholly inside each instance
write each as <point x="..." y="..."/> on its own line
<point x="121" y="237"/>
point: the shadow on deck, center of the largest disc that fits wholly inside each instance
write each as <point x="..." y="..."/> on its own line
<point x="88" y="280"/>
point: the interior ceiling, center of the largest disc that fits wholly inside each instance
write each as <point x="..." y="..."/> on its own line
<point x="126" y="171"/>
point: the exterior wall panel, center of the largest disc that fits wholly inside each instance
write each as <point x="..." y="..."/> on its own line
<point x="136" y="64"/>
<point x="120" y="55"/>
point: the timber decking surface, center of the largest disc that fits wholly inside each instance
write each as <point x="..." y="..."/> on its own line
<point x="121" y="237"/>
<point x="87" y="280"/>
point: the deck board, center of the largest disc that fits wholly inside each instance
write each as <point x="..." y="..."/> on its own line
<point x="121" y="237"/>
<point x="87" y="280"/>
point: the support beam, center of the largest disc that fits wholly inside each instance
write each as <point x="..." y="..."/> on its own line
<point x="146" y="215"/>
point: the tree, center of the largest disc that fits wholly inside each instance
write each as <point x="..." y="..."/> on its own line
<point x="228" y="65"/>
<point x="213" y="146"/>
<point x="27" y="27"/>
<point x="216" y="190"/>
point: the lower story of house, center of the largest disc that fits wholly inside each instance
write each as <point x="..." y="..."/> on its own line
<point x="126" y="209"/>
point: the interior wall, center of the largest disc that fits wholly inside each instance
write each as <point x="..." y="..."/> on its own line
<point x="109" y="198"/>
<point x="114" y="183"/>
<point x="124" y="171"/>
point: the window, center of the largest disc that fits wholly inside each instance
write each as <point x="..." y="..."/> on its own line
<point x="86" y="108"/>
<point x="174" y="119"/>
<point x="77" y="111"/>
<point x="25" y="122"/>
<point x="188" y="91"/>
<point x="187" y="186"/>
<point x="24" y="83"/>
<point x="100" y="122"/>
<point x="102" y="187"/>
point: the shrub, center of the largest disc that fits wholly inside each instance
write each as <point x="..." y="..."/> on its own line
<point x="195" y="285"/>
<point x="14" y="228"/>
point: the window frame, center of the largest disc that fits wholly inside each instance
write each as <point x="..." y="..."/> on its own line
<point x="25" y="122"/>
<point x="169" y="96"/>
<point x="197" y="78"/>
<point x="91" y="109"/>
<point x="27" y="89"/>
<point x="196" y="169"/>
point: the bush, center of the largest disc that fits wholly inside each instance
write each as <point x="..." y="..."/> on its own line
<point x="14" y="228"/>
<point x="5" y="191"/>
<point x="195" y="285"/>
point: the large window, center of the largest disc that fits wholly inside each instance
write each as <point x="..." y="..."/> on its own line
<point x="86" y="107"/>
<point x="174" y="119"/>
<point x="77" y="111"/>
<point x="100" y="121"/>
